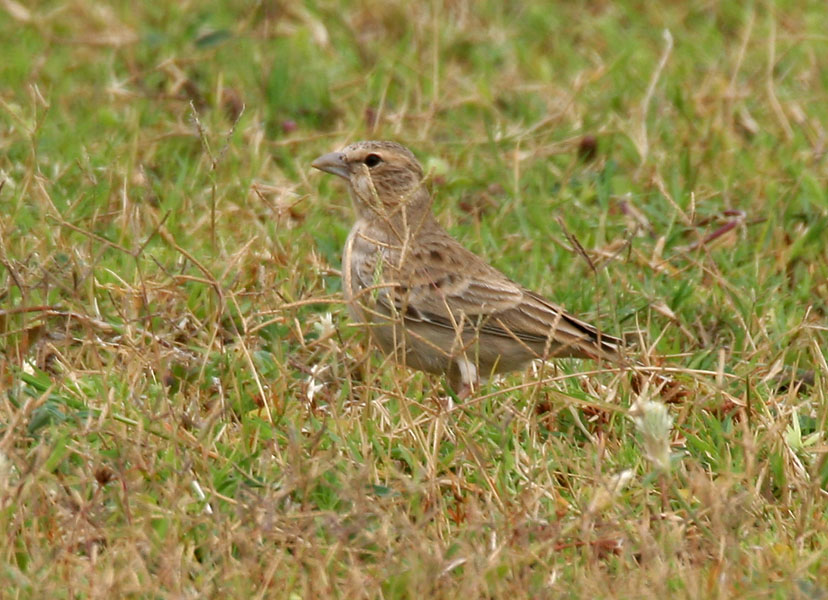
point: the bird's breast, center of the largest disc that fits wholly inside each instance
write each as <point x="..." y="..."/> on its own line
<point x="348" y="265"/>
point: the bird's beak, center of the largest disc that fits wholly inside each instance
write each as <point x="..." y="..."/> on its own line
<point x="333" y="163"/>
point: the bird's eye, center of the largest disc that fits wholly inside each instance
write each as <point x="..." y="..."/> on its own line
<point x="372" y="160"/>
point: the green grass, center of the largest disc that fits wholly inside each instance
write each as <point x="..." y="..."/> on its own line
<point x="177" y="417"/>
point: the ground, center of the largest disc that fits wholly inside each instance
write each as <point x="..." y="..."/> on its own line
<point x="186" y="411"/>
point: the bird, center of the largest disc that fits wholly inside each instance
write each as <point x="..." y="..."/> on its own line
<point x="429" y="302"/>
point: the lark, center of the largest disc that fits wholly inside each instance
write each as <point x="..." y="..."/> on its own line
<point x="429" y="302"/>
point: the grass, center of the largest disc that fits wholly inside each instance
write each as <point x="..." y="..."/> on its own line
<point x="186" y="411"/>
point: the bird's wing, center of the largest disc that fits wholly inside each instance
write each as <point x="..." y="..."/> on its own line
<point x="438" y="281"/>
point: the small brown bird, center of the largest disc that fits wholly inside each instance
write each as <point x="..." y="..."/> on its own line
<point x="429" y="302"/>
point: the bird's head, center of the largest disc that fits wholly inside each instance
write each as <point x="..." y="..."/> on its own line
<point x="384" y="177"/>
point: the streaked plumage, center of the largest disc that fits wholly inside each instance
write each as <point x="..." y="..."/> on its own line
<point x="430" y="302"/>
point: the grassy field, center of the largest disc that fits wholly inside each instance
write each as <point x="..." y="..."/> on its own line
<point x="186" y="413"/>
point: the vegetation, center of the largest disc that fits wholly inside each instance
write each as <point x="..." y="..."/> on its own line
<point x="186" y="411"/>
